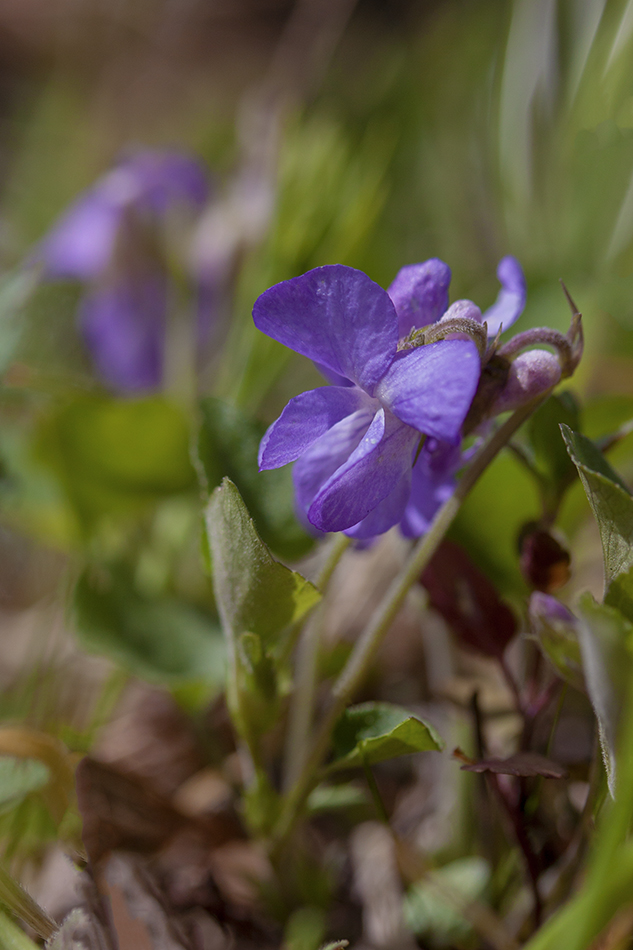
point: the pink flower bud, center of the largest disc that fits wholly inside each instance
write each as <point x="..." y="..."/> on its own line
<point x="463" y="309"/>
<point x="531" y="374"/>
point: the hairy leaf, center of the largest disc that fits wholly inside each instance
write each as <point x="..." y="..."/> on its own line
<point x="610" y="500"/>
<point x="254" y="592"/>
<point x="604" y="634"/>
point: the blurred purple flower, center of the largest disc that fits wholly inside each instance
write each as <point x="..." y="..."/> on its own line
<point x="110" y="238"/>
<point x="354" y="443"/>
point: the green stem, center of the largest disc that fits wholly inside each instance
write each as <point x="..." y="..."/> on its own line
<point x="302" y="702"/>
<point x="375" y="792"/>
<point x="368" y="643"/>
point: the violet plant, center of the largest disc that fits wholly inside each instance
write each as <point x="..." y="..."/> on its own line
<point x="382" y="445"/>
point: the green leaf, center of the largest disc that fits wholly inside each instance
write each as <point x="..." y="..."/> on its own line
<point x="605" y="637"/>
<point x="162" y="640"/>
<point x="543" y="432"/>
<point x="228" y="444"/>
<point x="620" y="594"/>
<point x="15" y="289"/>
<point x="326" y="798"/>
<point x="558" y="641"/>
<point x="305" y="929"/>
<point x="492" y="516"/>
<point x="610" y="501"/>
<point x="254" y="592"/>
<point x="432" y="906"/>
<point x="115" y="456"/>
<point x="373" y="732"/>
<point x="18" y="778"/>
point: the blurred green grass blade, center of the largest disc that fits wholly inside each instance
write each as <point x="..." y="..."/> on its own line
<point x="13" y="937"/>
<point x="19" y="902"/>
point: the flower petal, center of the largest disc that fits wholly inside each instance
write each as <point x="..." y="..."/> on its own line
<point x="336" y="316"/>
<point x="325" y="456"/>
<point x="123" y="327"/>
<point x="306" y="418"/>
<point x="431" y="387"/>
<point x="420" y="294"/>
<point x="158" y="178"/>
<point x="432" y="483"/>
<point x="82" y="242"/>
<point x="370" y="473"/>
<point x="386" y="514"/>
<point x="331" y="376"/>
<point x="510" y="302"/>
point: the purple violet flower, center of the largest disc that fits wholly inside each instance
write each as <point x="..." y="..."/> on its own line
<point x="359" y="467"/>
<point x="420" y="295"/>
<point x="110" y="238"/>
<point x="354" y="443"/>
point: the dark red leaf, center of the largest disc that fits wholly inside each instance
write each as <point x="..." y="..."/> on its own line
<point x="468" y="601"/>
<point x="525" y="764"/>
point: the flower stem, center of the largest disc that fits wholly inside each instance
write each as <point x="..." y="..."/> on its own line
<point x="302" y="701"/>
<point x="368" y="643"/>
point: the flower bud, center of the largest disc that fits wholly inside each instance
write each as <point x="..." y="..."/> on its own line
<point x="544" y="561"/>
<point x="463" y="309"/>
<point x="531" y="374"/>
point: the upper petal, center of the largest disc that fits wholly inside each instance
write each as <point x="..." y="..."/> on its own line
<point x="431" y="387"/>
<point x="331" y="376"/>
<point x="372" y="472"/>
<point x="336" y="316"/>
<point x="510" y="302"/>
<point x="420" y="294"/>
<point x="305" y="419"/>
